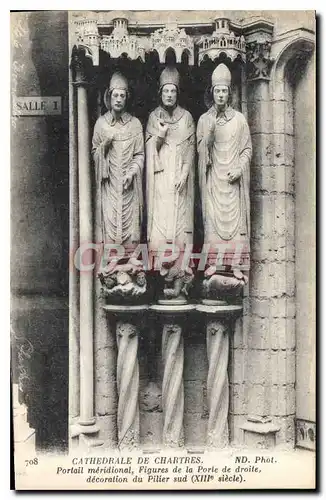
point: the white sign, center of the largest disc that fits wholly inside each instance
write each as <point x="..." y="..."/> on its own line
<point x="36" y="106"/>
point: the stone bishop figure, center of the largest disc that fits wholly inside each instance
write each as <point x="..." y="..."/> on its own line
<point x="118" y="151"/>
<point x="170" y="148"/>
<point x="224" y="149"/>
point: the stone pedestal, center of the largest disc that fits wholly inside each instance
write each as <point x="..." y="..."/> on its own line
<point x="172" y="320"/>
<point x="127" y="332"/>
<point x="219" y="325"/>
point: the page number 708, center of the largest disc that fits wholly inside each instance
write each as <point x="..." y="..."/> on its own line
<point x="33" y="461"/>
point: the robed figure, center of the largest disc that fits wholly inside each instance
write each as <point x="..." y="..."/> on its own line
<point x="224" y="150"/>
<point x="118" y="151"/>
<point x="170" y="148"/>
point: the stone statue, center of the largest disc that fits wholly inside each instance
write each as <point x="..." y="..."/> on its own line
<point x="170" y="148"/>
<point x="224" y="149"/>
<point x="118" y="152"/>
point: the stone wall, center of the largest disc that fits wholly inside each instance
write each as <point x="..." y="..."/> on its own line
<point x="39" y="227"/>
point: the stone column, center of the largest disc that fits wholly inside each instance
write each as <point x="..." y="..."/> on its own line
<point x="127" y="333"/>
<point x="86" y="277"/>
<point x="74" y="375"/>
<point x="173" y="318"/>
<point x="86" y="429"/>
<point x="219" y="326"/>
<point x="271" y="283"/>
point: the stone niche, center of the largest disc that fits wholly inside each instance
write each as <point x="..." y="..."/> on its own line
<point x="129" y="346"/>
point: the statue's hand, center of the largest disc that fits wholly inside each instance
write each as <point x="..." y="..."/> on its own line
<point x="181" y="183"/>
<point x="127" y="180"/>
<point x="162" y="128"/>
<point x="108" y="142"/>
<point x="234" y="175"/>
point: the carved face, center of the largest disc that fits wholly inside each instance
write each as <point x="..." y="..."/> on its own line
<point x="118" y="100"/>
<point x="169" y="95"/>
<point x="221" y="95"/>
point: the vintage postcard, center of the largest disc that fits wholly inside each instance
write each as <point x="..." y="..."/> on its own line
<point x="163" y="295"/>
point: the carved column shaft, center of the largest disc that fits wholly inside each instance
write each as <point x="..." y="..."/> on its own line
<point x="172" y="388"/>
<point x="217" y="383"/>
<point x="220" y="323"/>
<point x="128" y="384"/>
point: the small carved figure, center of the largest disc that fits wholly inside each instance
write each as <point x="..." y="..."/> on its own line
<point x="123" y="278"/>
<point x="223" y="286"/>
<point x="177" y="281"/>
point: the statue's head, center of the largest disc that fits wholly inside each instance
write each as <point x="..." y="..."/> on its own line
<point x="169" y="87"/>
<point x="221" y="85"/>
<point x="116" y="96"/>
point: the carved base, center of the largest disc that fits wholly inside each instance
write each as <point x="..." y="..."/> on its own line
<point x="211" y="302"/>
<point x="172" y="302"/>
<point x="177" y="282"/>
<point x="123" y="281"/>
<point x="223" y="286"/>
<point x="259" y="434"/>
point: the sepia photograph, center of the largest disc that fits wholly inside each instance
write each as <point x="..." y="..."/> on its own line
<point x="163" y="194"/>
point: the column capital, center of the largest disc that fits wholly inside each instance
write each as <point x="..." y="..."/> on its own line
<point x="259" y="61"/>
<point x="259" y="36"/>
<point x="78" y="65"/>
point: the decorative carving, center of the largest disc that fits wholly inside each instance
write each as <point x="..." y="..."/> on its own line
<point x="78" y="63"/>
<point x="223" y="286"/>
<point x="177" y="281"/>
<point x="172" y="388"/>
<point x="87" y="36"/>
<point x="172" y="37"/>
<point x="306" y="434"/>
<point x="259" y="62"/>
<point x="217" y="384"/>
<point x="121" y="42"/>
<point x="221" y="41"/>
<point x="128" y="384"/>
<point x="151" y="398"/>
<point x="123" y="279"/>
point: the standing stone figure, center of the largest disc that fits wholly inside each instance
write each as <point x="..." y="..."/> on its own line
<point x="224" y="148"/>
<point x="118" y="152"/>
<point x="170" y="148"/>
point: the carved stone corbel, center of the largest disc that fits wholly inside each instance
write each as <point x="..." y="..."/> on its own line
<point x="172" y="37"/>
<point x="259" y="62"/>
<point x="222" y="40"/>
<point x="258" y="35"/>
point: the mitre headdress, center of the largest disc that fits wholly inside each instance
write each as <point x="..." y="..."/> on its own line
<point x="118" y="81"/>
<point x="169" y="75"/>
<point x="221" y="76"/>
